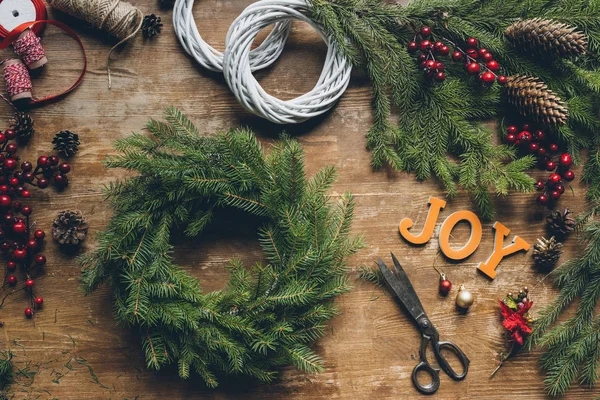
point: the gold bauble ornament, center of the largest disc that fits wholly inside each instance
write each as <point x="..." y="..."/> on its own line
<point x="464" y="298"/>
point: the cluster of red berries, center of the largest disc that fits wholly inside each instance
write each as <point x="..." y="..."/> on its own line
<point x="549" y="158"/>
<point x="18" y="240"/>
<point x="478" y="61"/>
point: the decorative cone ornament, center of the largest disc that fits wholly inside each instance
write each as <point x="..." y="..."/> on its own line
<point x="66" y="143"/>
<point x="532" y="98"/>
<point x="69" y="228"/>
<point x="560" y="224"/>
<point x="545" y="36"/>
<point x="22" y="124"/>
<point x="546" y="252"/>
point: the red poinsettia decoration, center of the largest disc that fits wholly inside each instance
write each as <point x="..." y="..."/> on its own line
<point x="515" y="322"/>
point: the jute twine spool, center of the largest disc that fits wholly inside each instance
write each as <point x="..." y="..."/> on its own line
<point x="116" y="17"/>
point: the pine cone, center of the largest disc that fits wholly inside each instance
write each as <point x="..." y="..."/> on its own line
<point x="560" y="224"/>
<point x="151" y="26"/>
<point x="532" y="98"/>
<point x="22" y="124"/>
<point x="66" y="143"/>
<point x="69" y="228"/>
<point x="546" y="36"/>
<point x="546" y="252"/>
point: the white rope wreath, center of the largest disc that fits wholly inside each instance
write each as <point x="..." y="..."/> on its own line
<point x="239" y="61"/>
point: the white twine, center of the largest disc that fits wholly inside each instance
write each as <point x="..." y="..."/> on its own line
<point x="239" y="61"/>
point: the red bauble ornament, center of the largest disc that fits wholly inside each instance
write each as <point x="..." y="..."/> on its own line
<point x="28" y="312"/>
<point x="502" y="80"/>
<point x="425" y="31"/>
<point x="471" y="42"/>
<point x="440" y="76"/>
<point x="445" y="286"/>
<point x="425" y="45"/>
<point x="565" y="160"/>
<point x="39" y="234"/>
<point x="29" y="283"/>
<point x="550" y="165"/>
<point x="40" y="259"/>
<point x="554" y="179"/>
<point x="412" y="47"/>
<point x="457" y="55"/>
<point x="39" y="301"/>
<point x="12" y="280"/>
<point x="488" y="77"/>
<point x="553" y="147"/>
<point x="19" y="228"/>
<point x="493" y="65"/>
<point x="539" y="185"/>
<point x="473" y="68"/>
<point x="542" y="199"/>
<point x="19" y="254"/>
<point x="569" y="175"/>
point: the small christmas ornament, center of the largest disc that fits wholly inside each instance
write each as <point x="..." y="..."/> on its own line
<point x="560" y="224"/>
<point x="151" y="26"/>
<point x="464" y="298"/>
<point x="445" y="285"/>
<point x="22" y="124"/>
<point x="66" y="143"/>
<point x="546" y="252"/>
<point x="532" y="98"/>
<point x="69" y="228"/>
<point x="547" y="37"/>
<point x="516" y="322"/>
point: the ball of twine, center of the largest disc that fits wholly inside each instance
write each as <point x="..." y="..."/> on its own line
<point x="239" y="60"/>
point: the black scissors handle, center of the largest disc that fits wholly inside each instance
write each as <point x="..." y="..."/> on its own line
<point x="434" y="373"/>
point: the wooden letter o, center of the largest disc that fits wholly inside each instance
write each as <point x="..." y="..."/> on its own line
<point x="472" y="243"/>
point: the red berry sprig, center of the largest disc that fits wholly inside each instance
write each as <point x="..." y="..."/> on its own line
<point x="428" y="50"/>
<point x="558" y="164"/>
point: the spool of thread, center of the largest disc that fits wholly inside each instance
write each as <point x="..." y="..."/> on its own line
<point x="17" y="80"/>
<point x="28" y="47"/>
<point x="116" y="17"/>
<point x="16" y="12"/>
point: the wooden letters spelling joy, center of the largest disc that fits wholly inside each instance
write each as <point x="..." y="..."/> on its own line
<point x="489" y="266"/>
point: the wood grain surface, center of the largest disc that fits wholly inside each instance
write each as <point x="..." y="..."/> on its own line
<point x="74" y="345"/>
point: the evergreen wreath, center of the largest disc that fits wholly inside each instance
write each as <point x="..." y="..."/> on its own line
<point x="440" y="132"/>
<point x="269" y="314"/>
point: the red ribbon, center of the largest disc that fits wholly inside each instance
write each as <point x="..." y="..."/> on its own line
<point x="14" y="34"/>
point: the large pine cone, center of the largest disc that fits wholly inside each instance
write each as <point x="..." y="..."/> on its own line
<point x="560" y="224"/>
<point x="546" y="252"/>
<point x="545" y="36"/>
<point x="66" y="143"/>
<point x="532" y="98"/>
<point x="22" y="124"/>
<point x="69" y="228"/>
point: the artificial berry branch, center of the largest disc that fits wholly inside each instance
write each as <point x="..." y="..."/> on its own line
<point x="18" y="240"/>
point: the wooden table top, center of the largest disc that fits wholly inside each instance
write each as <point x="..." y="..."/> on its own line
<point x="74" y="345"/>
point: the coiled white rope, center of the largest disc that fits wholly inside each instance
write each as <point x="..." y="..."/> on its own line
<point x="239" y="61"/>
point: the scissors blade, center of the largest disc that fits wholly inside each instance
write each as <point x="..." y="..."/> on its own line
<point x="399" y="283"/>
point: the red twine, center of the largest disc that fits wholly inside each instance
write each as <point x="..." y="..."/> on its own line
<point x="28" y="47"/>
<point x="17" y="79"/>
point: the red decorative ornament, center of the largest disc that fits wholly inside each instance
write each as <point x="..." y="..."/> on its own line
<point x="445" y="286"/>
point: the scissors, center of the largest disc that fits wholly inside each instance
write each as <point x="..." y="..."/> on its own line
<point x="399" y="283"/>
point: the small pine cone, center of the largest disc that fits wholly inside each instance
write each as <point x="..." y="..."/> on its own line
<point x="546" y="36"/>
<point x="69" y="228"/>
<point x="532" y="98"/>
<point x="66" y="143"/>
<point x="546" y="252"/>
<point x="151" y="26"/>
<point x="560" y="224"/>
<point x="22" y="124"/>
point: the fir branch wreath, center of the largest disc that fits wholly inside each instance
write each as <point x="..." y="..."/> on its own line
<point x="268" y="315"/>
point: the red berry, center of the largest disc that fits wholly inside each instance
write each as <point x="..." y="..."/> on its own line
<point x="542" y="151"/>
<point x="3" y="188"/>
<point x="534" y="147"/>
<point x="10" y="163"/>
<point x="473" y="68"/>
<point x="422" y="57"/>
<point x="550" y="165"/>
<point x="482" y="51"/>
<point x="29" y="283"/>
<point x="438" y="44"/>
<point x="11" y="265"/>
<point x="60" y="180"/>
<point x="19" y="254"/>
<point x="13" y="182"/>
<point x="542" y="199"/>
<point x="510" y="138"/>
<point x="26" y="193"/>
<point x="5" y="245"/>
<point x="444" y="50"/>
<point x="539" y="185"/>
<point x="12" y="280"/>
<point x="19" y="228"/>
<point x="26" y="166"/>
<point x="65" y="167"/>
<point x="493" y="65"/>
<point x="26" y="210"/>
<point x="555" y="194"/>
<point x="471" y="42"/>
<point x="422" y="64"/>
<point x="2" y="138"/>
<point x="10" y="134"/>
<point x="511" y="129"/>
<point x="425" y="45"/>
<point x="28" y="176"/>
<point x="502" y="80"/>
<point x="439" y="66"/>
<point x="39" y="234"/>
<point x="43" y="183"/>
<point x="11" y="148"/>
<point x="488" y="57"/>
<point x="488" y="77"/>
<point x="440" y="76"/>
<point x="39" y="301"/>
<point x="425" y="31"/>
<point x="28" y="312"/>
<point x="43" y="161"/>
<point x="53" y="160"/>
<point x="560" y="188"/>
<point x="473" y="54"/>
<point x="429" y="64"/>
<point x="539" y="135"/>
<point x="457" y="56"/>
<point x="565" y="160"/>
<point x="40" y="259"/>
<point x="526" y="127"/>
<point x="5" y="201"/>
<point x="554" y="179"/>
<point x="569" y="175"/>
<point x="553" y="147"/>
<point x="525" y="136"/>
<point x="412" y="46"/>
<point x="32" y="244"/>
